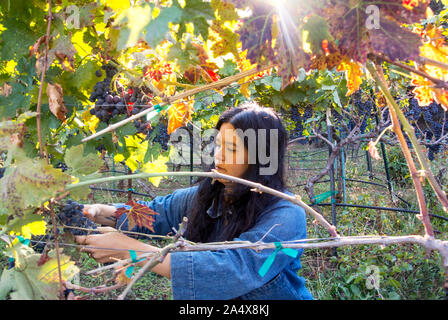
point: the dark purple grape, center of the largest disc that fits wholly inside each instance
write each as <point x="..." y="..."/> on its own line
<point x="109" y="99"/>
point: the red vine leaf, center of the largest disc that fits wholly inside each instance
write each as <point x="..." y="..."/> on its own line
<point x="350" y="26"/>
<point x="138" y="215"/>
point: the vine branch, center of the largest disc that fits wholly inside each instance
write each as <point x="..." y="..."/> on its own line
<point x="404" y="147"/>
<point x="42" y="78"/>
<point x="439" y="83"/>
<point x="441" y="195"/>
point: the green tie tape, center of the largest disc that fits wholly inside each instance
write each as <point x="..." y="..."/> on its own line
<point x="321" y="197"/>
<point x="23" y="240"/>
<point x="159" y="108"/>
<point x="270" y="260"/>
<point x="130" y="269"/>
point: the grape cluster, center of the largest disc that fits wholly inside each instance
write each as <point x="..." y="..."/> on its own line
<point x="429" y="124"/>
<point x="110" y="103"/>
<point x="107" y="104"/>
<point x="414" y="111"/>
<point x="298" y="125"/>
<point x="299" y="118"/>
<point x="39" y="242"/>
<point x="162" y="137"/>
<point x="363" y="109"/>
<point x="61" y="165"/>
<point x="2" y="172"/>
<point x="72" y="216"/>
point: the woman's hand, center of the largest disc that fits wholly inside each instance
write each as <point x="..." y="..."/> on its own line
<point x="101" y="213"/>
<point x="113" y="239"/>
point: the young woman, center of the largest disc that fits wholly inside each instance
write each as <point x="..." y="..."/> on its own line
<point x="222" y="210"/>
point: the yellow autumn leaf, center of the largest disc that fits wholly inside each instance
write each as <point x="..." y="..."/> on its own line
<point x="441" y="97"/>
<point x="244" y="89"/>
<point x="118" y="5"/>
<point x="34" y="228"/>
<point x="179" y="114"/>
<point x="79" y="44"/>
<point x="353" y="75"/>
<point x="137" y="150"/>
<point x="437" y="53"/>
<point x="49" y="273"/>
<point x="158" y="165"/>
<point x="91" y="121"/>
<point x="422" y="91"/>
<point x="118" y="157"/>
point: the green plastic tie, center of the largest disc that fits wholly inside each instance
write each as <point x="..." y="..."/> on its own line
<point x="130" y="269"/>
<point x="270" y="260"/>
<point x="321" y="197"/>
<point x="159" y="108"/>
<point x="23" y="241"/>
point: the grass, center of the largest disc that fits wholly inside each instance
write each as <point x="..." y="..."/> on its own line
<point x="404" y="271"/>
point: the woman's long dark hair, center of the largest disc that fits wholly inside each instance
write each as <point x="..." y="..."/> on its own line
<point x="240" y="206"/>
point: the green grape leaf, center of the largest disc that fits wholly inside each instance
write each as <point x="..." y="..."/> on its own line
<point x="74" y="82"/>
<point x="28" y="183"/>
<point x="197" y="12"/>
<point x="81" y="164"/>
<point x="33" y="281"/>
<point x="132" y="23"/>
<point x="292" y="94"/>
<point x="83" y="167"/>
<point x="21" y="85"/>
<point x="157" y="28"/>
<point x="16" y="39"/>
<point x="315" y="31"/>
<point x="277" y="83"/>
<point x="7" y="283"/>
<point x="230" y="68"/>
<point x="127" y="130"/>
<point x="23" y="290"/>
<point x="152" y="152"/>
<point x="185" y="56"/>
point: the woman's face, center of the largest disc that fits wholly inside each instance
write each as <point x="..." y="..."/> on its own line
<point x="230" y="153"/>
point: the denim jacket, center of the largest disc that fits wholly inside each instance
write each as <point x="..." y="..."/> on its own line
<point x="232" y="273"/>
